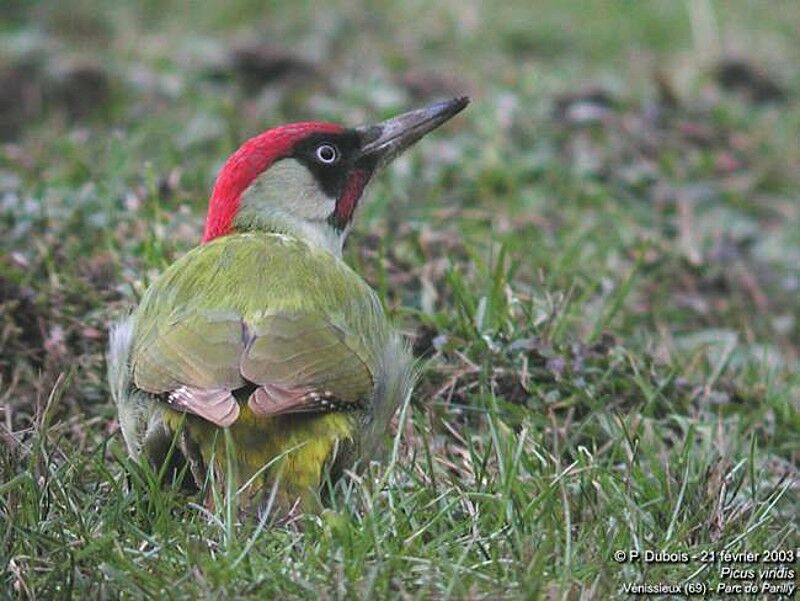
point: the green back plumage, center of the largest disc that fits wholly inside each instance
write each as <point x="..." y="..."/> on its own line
<point x="251" y="271"/>
<point x="312" y="319"/>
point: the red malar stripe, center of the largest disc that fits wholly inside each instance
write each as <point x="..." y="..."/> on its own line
<point x="348" y="201"/>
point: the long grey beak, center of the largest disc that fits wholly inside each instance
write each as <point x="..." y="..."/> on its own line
<point x="384" y="141"/>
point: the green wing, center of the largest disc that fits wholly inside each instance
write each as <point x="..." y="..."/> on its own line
<point x="297" y="350"/>
<point x="261" y="309"/>
<point x="200" y="348"/>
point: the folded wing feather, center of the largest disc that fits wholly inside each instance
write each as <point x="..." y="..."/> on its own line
<point x="296" y="360"/>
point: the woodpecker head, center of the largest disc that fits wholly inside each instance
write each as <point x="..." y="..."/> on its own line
<point x="307" y="178"/>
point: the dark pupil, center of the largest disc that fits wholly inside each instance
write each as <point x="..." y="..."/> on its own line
<point x="327" y="153"/>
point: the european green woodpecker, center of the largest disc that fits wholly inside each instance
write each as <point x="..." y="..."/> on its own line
<point x="262" y="335"/>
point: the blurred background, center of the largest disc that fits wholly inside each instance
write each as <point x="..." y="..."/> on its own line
<point x="611" y="228"/>
<point x="602" y="137"/>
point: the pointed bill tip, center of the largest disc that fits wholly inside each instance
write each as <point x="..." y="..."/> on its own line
<point x="453" y="106"/>
<point x="383" y="141"/>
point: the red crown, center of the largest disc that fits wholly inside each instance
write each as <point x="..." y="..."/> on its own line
<point x="247" y="163"/>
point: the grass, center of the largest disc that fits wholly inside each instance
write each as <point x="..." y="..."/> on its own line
<point x="597" y="261"/>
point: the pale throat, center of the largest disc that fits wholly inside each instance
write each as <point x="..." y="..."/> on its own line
<point x="287" y="199"/>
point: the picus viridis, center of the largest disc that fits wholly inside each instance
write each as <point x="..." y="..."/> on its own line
<point x="263" y="329"/>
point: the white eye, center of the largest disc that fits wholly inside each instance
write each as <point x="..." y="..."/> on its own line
<point x="327" y="154"/>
